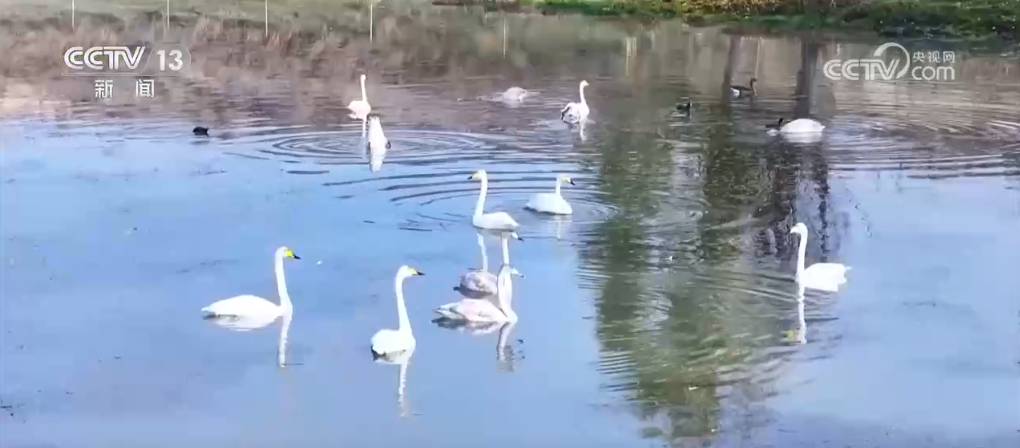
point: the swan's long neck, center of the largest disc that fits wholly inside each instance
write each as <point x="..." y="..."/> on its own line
<point x="364" y="95"/>
<point x="558" y="182"/>
<point x="405" y="323"/>
<point x="281" y="284"/>
<point x="481" y="196"/>
<point x="800" y="254"/>
<point x="581" y="89"/>
<point x="485" y="256"/>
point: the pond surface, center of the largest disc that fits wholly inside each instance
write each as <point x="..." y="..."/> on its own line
<point x="663" y="312"/>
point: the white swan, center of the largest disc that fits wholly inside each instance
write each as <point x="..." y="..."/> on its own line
<point x="552" y="202"/>
<point x="482" y="282"/>
<point x="377" y="144"/>
<point x="514" y="94"/>
<point x="390" y="342"/>
<point x="248" y="311"/>
<point x="798" y="126"/>
<point x="484" y="310"/>
<point x="822" y="276"/>
<point x="360" y="108"/>
<point x="491" y="221"/>
<point x="576" y="112"/>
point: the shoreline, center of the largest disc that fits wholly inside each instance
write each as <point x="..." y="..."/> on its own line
<point x="969" y="19"/>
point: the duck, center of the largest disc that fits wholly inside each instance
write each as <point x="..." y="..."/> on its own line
<point x="200" y="131"/>
<point x="684" y="109"/>
<point x="576" y="112"/>
<point x="552" y="203"/>
<point x="744" y="91"/>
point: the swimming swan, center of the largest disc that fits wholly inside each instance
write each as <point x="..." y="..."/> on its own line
<point x="360" y="108"/>
<point x="514" y="94"/>
<point x="491" y="221"/>
<point x="822" y="276"/>
<point x="552" y="202"/>
<point x="576" y="112"/>
<point x="484" y="310"/>
<point x="744" y="91"/>
<point x="250" y="308"/>
<point x="482" y="282"/>
<point x="389" y="342"/>
<point x="801" y="126"/>
<point x="377" y="144"/>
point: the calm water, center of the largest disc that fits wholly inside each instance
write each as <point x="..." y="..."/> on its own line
<point x="662" y="313"/>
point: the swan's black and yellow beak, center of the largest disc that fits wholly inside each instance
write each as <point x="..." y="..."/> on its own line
<point x="572" y="182"/>
<point x="294" y="256"/>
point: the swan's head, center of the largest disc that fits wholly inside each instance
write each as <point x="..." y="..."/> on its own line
<point x="513" y="271"/>
<point x="799" y="229"/>
<point x="407" y="271"/>
<point x="515" y="236"/>
<point x="363" y="77"/>
<point x="480" y="174"/>
<point x="753" y="80"/>
<point x="584" y="83"/>
<point x="566" y="178"/>
<point x="285" y="252"/>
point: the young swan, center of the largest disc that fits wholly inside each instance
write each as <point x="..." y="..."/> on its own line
<point x="387" y="342"/>
<point x="491" y="221"/>
<point x="552" y="202"/>
<point x="482" y="283"/>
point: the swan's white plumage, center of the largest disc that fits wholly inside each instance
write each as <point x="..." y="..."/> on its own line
<point x="576" y="112"/>
<point x="360" y="108"/>
<point x="387" y="341"/>
<point x="824" y="276"/>
<point x="551" y="202"/>
<point x="491" y="221"/>
<point x="244" y="305"/>
<point x="514" y="94"/>
<point x="821" y="276"/>
<point x="495" y="221"/>
<point x="801" y="125"/>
